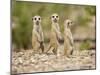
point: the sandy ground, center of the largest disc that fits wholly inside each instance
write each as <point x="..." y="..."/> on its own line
<point x="27" y="61"/>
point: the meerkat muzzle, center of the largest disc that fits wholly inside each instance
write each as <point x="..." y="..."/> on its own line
<point x="55" y="20"/>
<point x="37" y="22"/>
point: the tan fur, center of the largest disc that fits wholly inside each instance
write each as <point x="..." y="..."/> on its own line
<point x="68" y="39"/>
<point x="55" y="34"/>
<point x="37" y="35"/>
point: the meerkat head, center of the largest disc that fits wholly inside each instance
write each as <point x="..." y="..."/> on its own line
<point x="68" y="23"/>
<point x="36" y="20"/>
<point x="54" y="18"/>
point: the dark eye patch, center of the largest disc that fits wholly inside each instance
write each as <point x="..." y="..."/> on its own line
<point x="39" y="18"/>
<point x="56" y="16"/>
<point x="71" y="22"/>
<point x="68" y="23"/>
<point x="34" y="18"/>
<point x="53" y="16"/>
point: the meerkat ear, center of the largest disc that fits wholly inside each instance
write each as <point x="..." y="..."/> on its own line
<point x="32" y="18"/>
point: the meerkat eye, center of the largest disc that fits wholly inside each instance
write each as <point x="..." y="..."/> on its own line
<point x="34" y="18"/>
<point x="39" y="18"/>
<point x="56" y="16"/>
<point x="71" y="22"/>
<point x="68" y="23"/>
<point x="52" y="16"/>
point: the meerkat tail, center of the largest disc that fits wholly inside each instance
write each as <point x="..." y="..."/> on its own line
<point x="42" y="47"/>
<point x="71" y="53"/>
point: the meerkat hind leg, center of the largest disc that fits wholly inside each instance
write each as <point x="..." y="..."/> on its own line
<point x="54" y="51"/>
<point x="69" y="53"/>
<point x="50" y="48"/>
<point x="66" y="52"/>
<point x="36" y="48"/>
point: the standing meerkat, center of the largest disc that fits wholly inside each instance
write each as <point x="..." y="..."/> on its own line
<point x="37" y="35"/>
<point x="55" y="34"/>
<point x="68" y="39"/>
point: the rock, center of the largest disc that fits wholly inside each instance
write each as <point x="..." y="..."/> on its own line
<point x="33" y="61"/>
<point x="20" y="61"/>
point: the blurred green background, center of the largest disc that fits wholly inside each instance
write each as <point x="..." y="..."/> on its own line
<point x="82" y="16"/>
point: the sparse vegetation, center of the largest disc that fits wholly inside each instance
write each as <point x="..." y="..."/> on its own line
<point x="85" y="45"/>
<point x="22" y="13"/>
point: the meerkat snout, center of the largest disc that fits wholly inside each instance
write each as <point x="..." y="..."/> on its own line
<point x="36" y="20"/>
<point x="55" y="18"/>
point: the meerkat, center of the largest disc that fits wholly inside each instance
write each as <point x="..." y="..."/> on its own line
<point x="37" y="35"/>
<point x="68" y="38"/>
<point x="55" y="34"/>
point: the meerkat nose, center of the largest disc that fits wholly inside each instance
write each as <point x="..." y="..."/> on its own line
<point x="55" y="20"/>
<point x="37" y="22"/>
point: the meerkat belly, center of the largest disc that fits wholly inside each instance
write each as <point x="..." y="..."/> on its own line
<point x="67" y="42"/>
<point x="35" y="43"/>
<point x="53" y="39"/>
